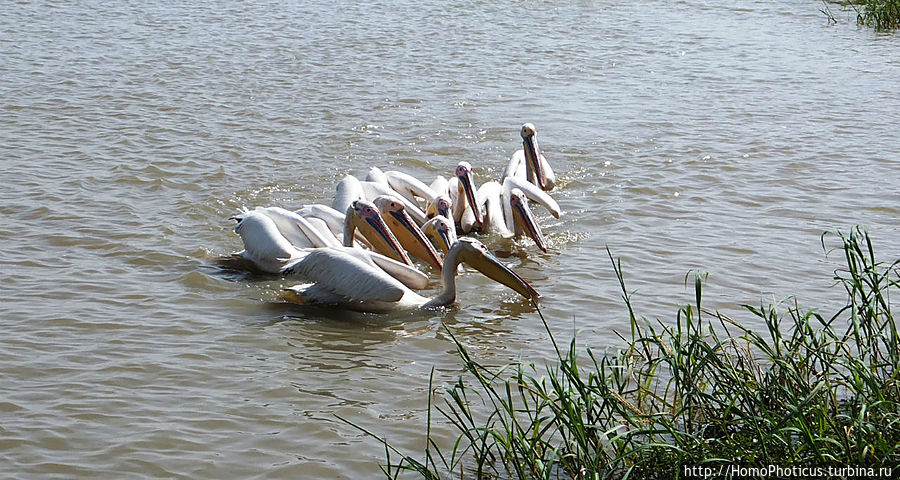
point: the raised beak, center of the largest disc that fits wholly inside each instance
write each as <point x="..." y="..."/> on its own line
<point x="533" y="160"/>
<point x="523" y="216"/>
<point x="412" y="238"/>
<point x="468" y="184"/>
<point x="493" y="268"/>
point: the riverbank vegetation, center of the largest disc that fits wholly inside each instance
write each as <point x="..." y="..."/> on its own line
<point x="877" y="14"/>
<point x="702" y="391"/>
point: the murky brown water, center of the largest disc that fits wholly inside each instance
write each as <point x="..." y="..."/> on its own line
<point x="687" y="134"/>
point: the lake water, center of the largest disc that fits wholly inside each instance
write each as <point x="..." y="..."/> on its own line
<point x="686" y="134"/>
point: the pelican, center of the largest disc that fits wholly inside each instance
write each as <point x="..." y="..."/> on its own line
<point x="287" y="223"/>
<point x="461" y="192"/>
<point x="353" y="285"/>
<point x="441" y="231"/>
<point x="530" y="163"/>
<point x="267" y="250"/>
<point x="507" y="210"/>
<point x="365" y="216"/>
<point x="407" y="232"/>
<point x="264" y="245"/>
<point x="441" y="203"/>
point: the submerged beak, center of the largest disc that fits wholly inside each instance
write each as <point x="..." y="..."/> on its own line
<point x="523" y="217"/>
<point x="468" y="184"/>
<point x="412" y="238"/>
<point x="533" y="160"/>
<point x="493" y="268"/>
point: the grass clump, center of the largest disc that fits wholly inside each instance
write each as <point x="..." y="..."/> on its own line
<point x="877" y="14"/>
<point x="703" y="392"/>
<point x="880" y="14"/>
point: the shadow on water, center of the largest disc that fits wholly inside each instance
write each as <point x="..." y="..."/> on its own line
<point x="235" y="269"/>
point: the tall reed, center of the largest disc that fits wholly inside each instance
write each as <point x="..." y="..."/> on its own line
<point x="702" y="391"/>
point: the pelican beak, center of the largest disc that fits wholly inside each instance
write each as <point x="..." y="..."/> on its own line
<point x="523" y="216"/>
<point x="533" y="159"/>
<point x="412" y="237"/>
<point x="376" y="232"/>
<point x="493" y="268"/>
<point x="441" y="231"/>
<point x="468" y="183"/>
<point x="446" y="239"/>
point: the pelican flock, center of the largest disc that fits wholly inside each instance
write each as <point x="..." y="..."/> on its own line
<point x="361" y="252"/>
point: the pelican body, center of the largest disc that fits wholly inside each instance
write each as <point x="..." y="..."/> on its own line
<point x="269" y="251"/>
<point x="507" y="210"/>
<point x="356" y="286"/>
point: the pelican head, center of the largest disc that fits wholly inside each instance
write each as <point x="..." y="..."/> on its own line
<point x="528" y="130"/>
<point x="533" y="162"/>
<point x="476" y="255"/>
<point x="467" y="182"/>
<point x="524" y="219"/>
<point x="363" y="215"/>
<point x="442" y="231"/>
<point x="410" y="236"/>
<point x="440" y="205"/>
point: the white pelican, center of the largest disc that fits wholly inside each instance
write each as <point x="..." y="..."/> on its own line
<point x="441" y="204"/>
<point x="461" y="192"/>
<point x="287" y="223"/>
<point x="352" y="285"/>
<point x="364" y="216"/>
<point x="530" y="163"/>
<point x="507" y="212"/>
<point x="264" y="245"/>
<point x="441" y="231"/>
<point x="410" y="236"/>
<point x="267" y="250"/>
